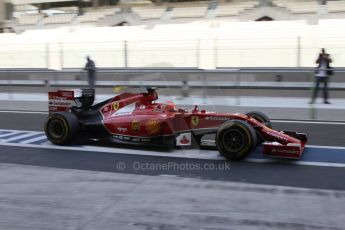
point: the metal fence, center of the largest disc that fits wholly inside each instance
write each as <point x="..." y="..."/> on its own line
<point x="209" y="54"/>
<point x="238" y="82"/>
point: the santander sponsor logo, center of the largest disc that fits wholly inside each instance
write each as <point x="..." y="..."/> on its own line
<point x="288" y="151"/>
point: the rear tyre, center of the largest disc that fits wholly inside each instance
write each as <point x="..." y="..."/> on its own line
<point x="61" y="128"/>
<point x="235" y="139"/>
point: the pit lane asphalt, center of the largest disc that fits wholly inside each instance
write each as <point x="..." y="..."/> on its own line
<point x="267" y="173"/>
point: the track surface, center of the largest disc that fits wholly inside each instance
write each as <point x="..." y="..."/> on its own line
<point x="274" y="173"/>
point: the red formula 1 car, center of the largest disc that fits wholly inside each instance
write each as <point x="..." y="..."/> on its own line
<point x="137" y="119"/>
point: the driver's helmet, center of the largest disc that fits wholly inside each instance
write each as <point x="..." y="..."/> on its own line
<point x="170" y="106"/>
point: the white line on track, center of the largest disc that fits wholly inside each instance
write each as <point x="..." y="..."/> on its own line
<point x="325" y="147"/>
<point x="20" y="136"/>
<point x="189" y="154"/>
<point x="33" y="140"/>
<point x="17" y="130"/>
<point x="182" y="154"/>
<point x="6" y="135"/>
<point x="305" y="163"/>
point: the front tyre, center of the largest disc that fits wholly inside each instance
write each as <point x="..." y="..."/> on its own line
<point x="261" y="117"/>
<point x="235" y="139"/>
<point x="61" y="128"/>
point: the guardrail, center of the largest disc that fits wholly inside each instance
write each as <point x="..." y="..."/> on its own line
<point x="282" y="70"/>
<point x="177" y="69"/>
<point x="172" y="84"/>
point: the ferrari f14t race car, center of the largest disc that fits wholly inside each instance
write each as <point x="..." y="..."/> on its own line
<point x="137" y="119"/>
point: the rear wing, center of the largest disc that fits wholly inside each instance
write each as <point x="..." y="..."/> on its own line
<point x="62" y="100"/>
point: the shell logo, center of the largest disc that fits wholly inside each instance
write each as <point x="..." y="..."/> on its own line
<point x="153" y="126"/>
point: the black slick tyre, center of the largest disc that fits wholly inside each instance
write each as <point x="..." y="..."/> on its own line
<point x="61" y="128"/>
<point x="235" y="139"/>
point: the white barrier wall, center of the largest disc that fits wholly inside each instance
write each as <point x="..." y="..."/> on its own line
<point x="105" y="45"/>
<point x="167" y="46"/>
<point x="253" y="44"/>
<point x="199" y="44"/>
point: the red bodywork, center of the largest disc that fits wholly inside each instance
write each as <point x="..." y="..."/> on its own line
<point x="138" y="118"/>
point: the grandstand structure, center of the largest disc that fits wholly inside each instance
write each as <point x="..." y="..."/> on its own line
<point x="198" y="34"/>
<point x="141" y="12"/>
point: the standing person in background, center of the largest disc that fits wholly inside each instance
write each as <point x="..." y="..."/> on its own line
<point x="322" y="73"/>
<point x="90" y="67"/>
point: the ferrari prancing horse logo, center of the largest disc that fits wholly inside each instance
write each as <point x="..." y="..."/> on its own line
<point x="195" y="120"/>
<point x="116" y="105"/>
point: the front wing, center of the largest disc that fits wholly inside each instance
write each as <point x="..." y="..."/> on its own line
<point x="290" y="150"/>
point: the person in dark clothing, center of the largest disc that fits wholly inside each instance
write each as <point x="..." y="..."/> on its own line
<point x="322" y="73"/>
<point x="90" y="67"/>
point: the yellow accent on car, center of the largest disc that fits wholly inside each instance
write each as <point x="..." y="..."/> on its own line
<point x="195" y="120"/>
<point x="135" y="126"/>
<point x="116" y="105"/>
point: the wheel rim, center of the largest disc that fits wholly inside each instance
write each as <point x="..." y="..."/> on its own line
<point x="233" y="140"/>
<point x="56" y="129"/>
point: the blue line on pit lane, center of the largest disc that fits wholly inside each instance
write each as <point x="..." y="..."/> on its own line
<point x="312" y="154"/>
